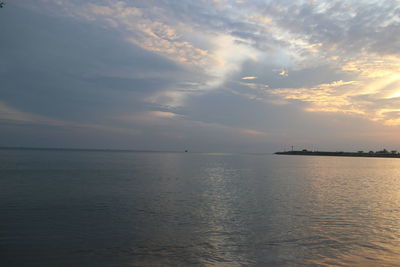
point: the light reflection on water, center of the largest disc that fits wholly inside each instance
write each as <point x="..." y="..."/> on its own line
<point x="66" y="208"/>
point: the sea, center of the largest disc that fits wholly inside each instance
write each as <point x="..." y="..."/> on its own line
<point x="127" y="208"/>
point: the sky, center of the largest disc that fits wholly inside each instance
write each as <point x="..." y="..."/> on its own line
<point x="203" y="75"/>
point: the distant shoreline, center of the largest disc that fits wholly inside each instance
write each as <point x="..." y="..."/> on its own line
<point x="378" y="154"/>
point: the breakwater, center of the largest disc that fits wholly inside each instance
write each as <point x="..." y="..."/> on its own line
<point x="377" y="154"/>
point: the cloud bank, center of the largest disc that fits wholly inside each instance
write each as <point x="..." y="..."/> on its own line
<point x="171" y="74"/>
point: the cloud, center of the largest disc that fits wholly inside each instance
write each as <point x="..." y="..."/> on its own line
<point x="283" y="73"/>
<point x="373" y="95"/>
<point x="154" y="29"/>
<point x="83" y="73"/>
<point x="12" y="116"/>
<point x="157" y="117"/>
<point x="148" y="117"/>
<point x="195" y="70"/>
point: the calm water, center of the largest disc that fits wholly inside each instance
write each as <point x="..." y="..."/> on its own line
<point x="77" y="208"/>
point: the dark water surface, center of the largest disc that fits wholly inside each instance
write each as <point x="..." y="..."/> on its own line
<point x="86" y="208"/>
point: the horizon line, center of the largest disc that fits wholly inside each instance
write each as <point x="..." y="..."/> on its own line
<point x="123" y="150"/>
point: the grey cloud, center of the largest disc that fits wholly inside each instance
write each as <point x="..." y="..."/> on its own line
<point x="57" y="67"/>
<point x="353" y="26"/>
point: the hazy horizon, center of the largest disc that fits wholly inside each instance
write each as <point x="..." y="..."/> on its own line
<point x="206" y="76"/>
<point x="133" y="150"/>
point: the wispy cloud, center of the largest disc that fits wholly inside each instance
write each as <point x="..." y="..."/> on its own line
<point x="283" y="73"/>
<point x="11" y="115"/>
<point x="249" y="78"/>
<point x="154" y="118"/>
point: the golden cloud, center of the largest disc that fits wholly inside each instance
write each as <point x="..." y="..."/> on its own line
<point x="374" y="94"/>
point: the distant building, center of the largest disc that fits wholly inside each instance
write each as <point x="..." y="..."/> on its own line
<point x="384" y="151"/>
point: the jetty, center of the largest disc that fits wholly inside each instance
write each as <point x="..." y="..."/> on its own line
<point x="371" y="154"/>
